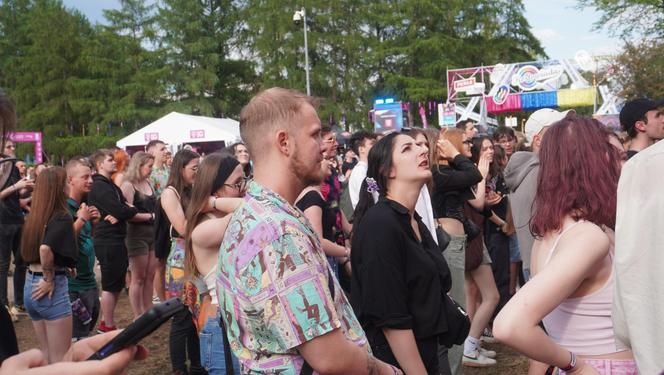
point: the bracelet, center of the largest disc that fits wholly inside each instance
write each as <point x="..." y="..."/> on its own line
<point x="572" y="363"/>
<point x="82" y="219"/>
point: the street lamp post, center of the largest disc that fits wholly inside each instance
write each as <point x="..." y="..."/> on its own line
<point x="301" y="15"/>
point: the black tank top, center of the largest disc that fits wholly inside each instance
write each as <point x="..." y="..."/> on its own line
<point x="145" y="204"/>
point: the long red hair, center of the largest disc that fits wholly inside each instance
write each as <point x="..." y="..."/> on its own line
<point x="578" y="176"/>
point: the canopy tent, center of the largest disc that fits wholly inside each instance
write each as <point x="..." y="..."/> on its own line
<point x="177" y="128"/>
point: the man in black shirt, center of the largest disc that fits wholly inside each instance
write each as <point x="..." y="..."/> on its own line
<point x="110" y="233"/>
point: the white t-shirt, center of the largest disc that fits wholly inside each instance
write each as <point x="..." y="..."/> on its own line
<point x="357" y="176"/>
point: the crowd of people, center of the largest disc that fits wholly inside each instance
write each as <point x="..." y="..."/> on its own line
<point x="404" y="252"/>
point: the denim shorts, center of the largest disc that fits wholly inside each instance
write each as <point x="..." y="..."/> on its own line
<point x="515" y="254"/>
<point x="212" y="348"/>
<point x="47" y="308"/>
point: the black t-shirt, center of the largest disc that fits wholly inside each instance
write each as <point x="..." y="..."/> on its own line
<point x="60" y="237"/>
<point x="452" y="186"/>
<point x="313" y="198"/>
<point x="10" y="207"/>
<point x="346" y="166"/>
<point x="631" y="153"/>
<point x="398" y="282"/>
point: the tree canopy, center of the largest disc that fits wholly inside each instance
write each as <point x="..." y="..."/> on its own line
<point x="85" y="85"/>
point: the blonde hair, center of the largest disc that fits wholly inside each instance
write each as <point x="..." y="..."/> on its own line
<point x="269" y="110"/>
<point x="138" y="160"/>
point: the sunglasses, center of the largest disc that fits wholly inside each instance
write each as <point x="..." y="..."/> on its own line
<point x="240" y="186"/>
<point x="468" y="142"/>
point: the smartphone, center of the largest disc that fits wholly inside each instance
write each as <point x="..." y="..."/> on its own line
<point x="140" y="328"/>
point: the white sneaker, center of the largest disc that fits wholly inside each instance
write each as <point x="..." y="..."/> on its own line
<point x="487" y="353"/>
<point x="477" y="360"/>
<point x="14" y="317"/>
<point x="487" y="337"/>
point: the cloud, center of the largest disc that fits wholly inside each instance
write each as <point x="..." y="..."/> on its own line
<point x="547" y="34"/>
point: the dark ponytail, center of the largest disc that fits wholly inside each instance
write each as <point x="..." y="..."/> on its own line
<point x="379" y="164"/>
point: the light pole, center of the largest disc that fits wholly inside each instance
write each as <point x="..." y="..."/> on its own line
<point x="301" y="15"/>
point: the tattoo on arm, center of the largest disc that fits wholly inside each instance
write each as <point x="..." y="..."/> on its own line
<point x="372" y="365"/>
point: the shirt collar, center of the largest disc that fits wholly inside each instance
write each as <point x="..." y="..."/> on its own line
<point x="260" y="192"/>
<point x="398" y="207"/>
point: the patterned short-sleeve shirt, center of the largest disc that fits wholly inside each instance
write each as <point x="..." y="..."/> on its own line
<point x="273" y="285"/>
<point x="159" y="178"/>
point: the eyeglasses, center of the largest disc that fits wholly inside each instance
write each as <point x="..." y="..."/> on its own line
<point x="240" y="186"/>
<point x="468" y="142"/>
<point x="10" y="146"/>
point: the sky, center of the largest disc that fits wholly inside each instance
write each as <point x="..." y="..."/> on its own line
<point x="562" y="28"/>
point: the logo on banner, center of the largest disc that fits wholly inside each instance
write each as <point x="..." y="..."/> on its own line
<point x="501" y="94"/>
<point x="151" y="136"/>
<point x="528" y="77"/>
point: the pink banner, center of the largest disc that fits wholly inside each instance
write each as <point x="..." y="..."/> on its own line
<point x="35" y="137"/>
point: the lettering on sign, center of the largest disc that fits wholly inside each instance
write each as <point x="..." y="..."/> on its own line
<point x="461" y="84"/>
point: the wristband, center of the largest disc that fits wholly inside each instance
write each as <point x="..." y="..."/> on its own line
<point x="82" y="219"/>
<point x="572" y="363"/>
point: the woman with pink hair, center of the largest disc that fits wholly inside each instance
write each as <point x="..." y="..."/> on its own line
<point x="571" y="291"/>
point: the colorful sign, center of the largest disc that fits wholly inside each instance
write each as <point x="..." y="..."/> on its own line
<point x="151" y="136"/>
<point x="501" y="94"/>
<point x="529" y="78"/>
<point x="197" y="134"/>
<point x="463" y="84"/>
<point x="446" y="114"/>
<point x="35" y="137"/>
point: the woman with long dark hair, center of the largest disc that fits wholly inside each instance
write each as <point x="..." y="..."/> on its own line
<point x="183" y="340"/>
<point x="49" y="247"/>
<point x="399" y="275"/>
<point x="138" y="192"/>
<point x="221" y="177"/>
<point x="571" y="290"/>
<point x="241" y="153"/>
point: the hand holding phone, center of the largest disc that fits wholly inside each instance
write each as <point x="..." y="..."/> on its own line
<point x="140" y="328"/>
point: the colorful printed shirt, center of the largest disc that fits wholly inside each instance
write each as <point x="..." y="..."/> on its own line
<point x="273" y="286"/>
<point x="159" y="178"/>
<point x="85" y="262"/>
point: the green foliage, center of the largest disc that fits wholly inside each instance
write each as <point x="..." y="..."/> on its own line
<point x="641" y="70"/>
<point x="626" y="18"/>
<point x="85" y="85"/>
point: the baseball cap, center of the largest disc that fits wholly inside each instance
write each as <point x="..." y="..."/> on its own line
<point x="635" y="110"/>
<point x="542" y="118"/>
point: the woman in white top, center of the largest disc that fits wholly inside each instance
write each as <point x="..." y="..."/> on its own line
<point x="571" y="290"/>
<point x="219" y="183"/>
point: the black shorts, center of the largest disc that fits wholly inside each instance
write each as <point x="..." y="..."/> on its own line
<point x="113" y="262"/>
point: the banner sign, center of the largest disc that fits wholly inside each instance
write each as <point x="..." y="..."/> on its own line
<point x="462" y="84"/>
<point x="197" y="134"/>
<point x="151" y="136"/>
<point x="446" y="114"/>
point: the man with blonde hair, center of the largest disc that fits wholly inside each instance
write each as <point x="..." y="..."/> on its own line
<point x="282" y="309"/>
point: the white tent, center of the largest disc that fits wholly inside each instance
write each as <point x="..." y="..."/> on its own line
<point x="177" y="128"/>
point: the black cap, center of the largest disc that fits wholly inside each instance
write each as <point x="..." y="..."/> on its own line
<point x="636" y="110"/>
